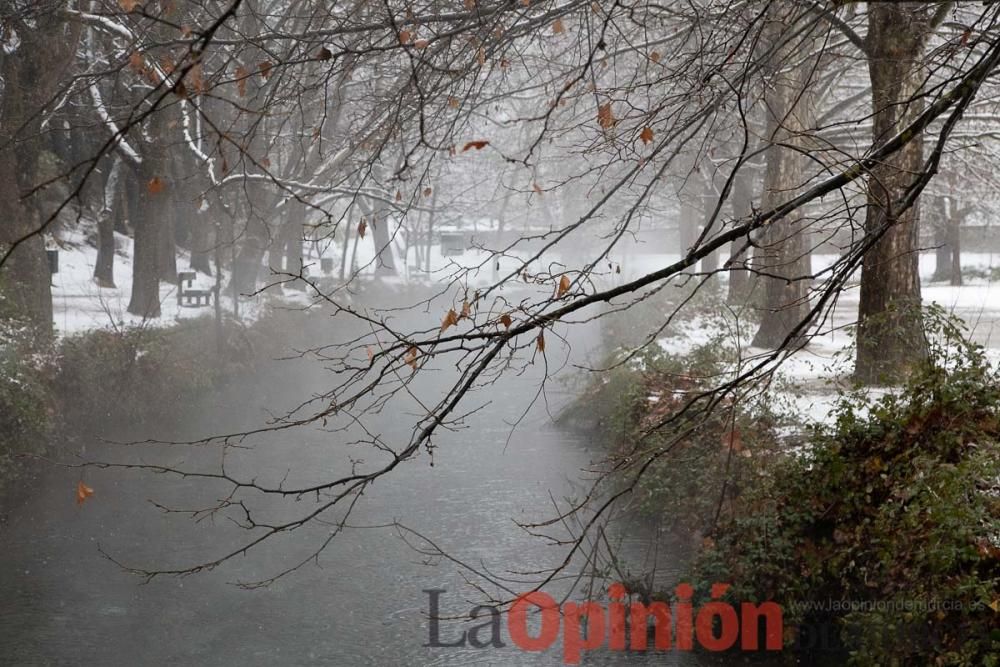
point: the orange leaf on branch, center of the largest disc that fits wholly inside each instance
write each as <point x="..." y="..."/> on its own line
<point x="646" y="135"/>
<point x="449" y="320"/>
<point x="411" y="357"/>
<point x="478" y="145"/>
<point x="241" y="80"/>
<point x="362" y="227"/>
<point x="605" y="116"/>
<point x="563" y="286"/>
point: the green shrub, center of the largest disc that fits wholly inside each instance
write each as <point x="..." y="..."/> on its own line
<point x="112" y="378"/>
<point x="25" y="402"/>
<point x="896" y="509"/>
<point x="703" y="446"/>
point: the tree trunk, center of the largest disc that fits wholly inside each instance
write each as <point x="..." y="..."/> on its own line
<point x="687" y="228"/>
<point x="890" y="332"/>
<point x="739" y="276"/>
<point x="783" y="257"/>
<point x="201" y="245"/>
<point x="31" y="73"/>
<point x="150" y="222"/>
<point x="955" y="244"/>
<point x="146" y="252"/>
<point x="385" y="262"/>
<point x="104" y="268"/>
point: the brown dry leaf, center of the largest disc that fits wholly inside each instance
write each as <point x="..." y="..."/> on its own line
<point x="655" y="56"/>
<point x="324" y="54"/>
<point x="605" y="116"/>
<point x="525" y="3"/>
<point x="537" y="188"/>
<point x="83" y="492"/>
<point x="404" y="36"/>
<point x="505" y="321"/>
<point x="371" y="353"/>
<point x="362" y="226"/>
<point x="195" y="81"/>
<point x="265" y="162"/>
<point x="540" y="341"/>
<point x="481" y="56"/>
<point x="428" y="191"/>
<point x="155" y="185"/>
<point x="470" y="4"/>
<point x="180" y="90"/>
<point x="264" y="67"/>
<point x="563" y="286"/>
<point x="128" y="5"/>
<point x="241" y="80"/>
<point x="421" y="44"/>
<point x="411" y="357"/>
<point x="450" y="319"/>
<point x="557" y="27"/>
<point x="465" y="309"/>
<point x="595" y="7"/>
<point x="399" y="196"/>
<point x="137" y="62"/>
<point x="453" y="102"/>
<point x="478" y="145"/>
<point x="646" y="135"/>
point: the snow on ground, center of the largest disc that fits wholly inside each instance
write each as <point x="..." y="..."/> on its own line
<point x="809" y="380"/>
<point x="79" y="304"/>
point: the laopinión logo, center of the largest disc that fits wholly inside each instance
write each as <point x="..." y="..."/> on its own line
<point x="714" y="626"/>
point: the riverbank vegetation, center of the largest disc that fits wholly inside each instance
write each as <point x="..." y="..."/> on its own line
<point x="877" y="531"/>
<point x="57" y="393"/>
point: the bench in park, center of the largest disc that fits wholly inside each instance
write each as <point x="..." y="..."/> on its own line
<point x="187" y="295"/>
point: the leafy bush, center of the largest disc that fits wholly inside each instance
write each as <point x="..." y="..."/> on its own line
<point x="703" y="446"/>
<point x="895" y="510"/>
<point x="140" y="375"/>
<point x="25" y="403"/>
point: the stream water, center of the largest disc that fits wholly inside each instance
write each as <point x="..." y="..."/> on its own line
<point x="64" y="602"/>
